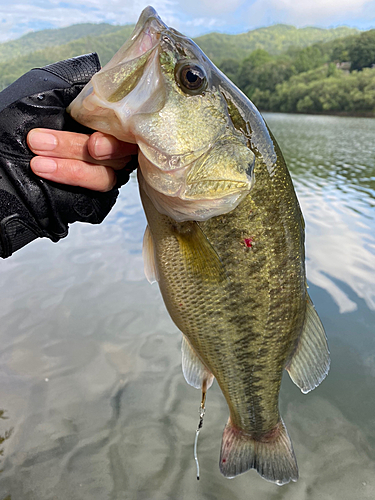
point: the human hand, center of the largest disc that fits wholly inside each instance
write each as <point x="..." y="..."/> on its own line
<point x="88" y="161"/>
<point x="31" y="206"/>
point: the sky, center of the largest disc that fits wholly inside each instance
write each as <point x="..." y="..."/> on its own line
<point x="191" y="17"/>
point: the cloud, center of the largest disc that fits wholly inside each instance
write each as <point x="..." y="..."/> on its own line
<point x="56" y="14"/>
<point x="193" y="17"/>
<point x="302" y="13"/>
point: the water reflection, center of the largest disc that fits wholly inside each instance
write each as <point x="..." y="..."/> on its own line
<point x="90" y="363"/>
<point x="4" y="434"/>
<point x="333" y="169"/>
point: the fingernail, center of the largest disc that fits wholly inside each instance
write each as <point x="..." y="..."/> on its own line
<point x="42" y="141"/>
<point x="43" y="165"/>
<point x="103" y="147"/>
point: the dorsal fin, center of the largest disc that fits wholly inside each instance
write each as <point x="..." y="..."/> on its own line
<point x="195" y="373"/>
<point x="310" y="362"/>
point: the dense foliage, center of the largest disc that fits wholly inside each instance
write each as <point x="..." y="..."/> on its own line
<point x="274" y="39"/>
<point x="332" y="77"/>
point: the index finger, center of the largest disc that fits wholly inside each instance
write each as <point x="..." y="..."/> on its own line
<point x="106" y="147"/>
<point x="94" y="148"/>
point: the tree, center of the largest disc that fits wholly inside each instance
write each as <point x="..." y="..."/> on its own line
<point x="231" y="68"/>
<point x="309" y="58"/>
<point x="255" y="59"/>
<point x="362" y="50"/>
<point x="268" y="75"/>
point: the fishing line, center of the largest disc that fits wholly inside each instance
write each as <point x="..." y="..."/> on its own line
<point x="202" y="411"/>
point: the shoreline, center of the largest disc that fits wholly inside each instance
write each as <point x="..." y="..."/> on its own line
<point x="363" y="114"/>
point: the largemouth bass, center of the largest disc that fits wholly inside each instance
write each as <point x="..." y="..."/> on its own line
<point x="225" y="235"/>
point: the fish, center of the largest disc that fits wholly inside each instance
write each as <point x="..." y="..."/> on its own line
<point x="224" y="237"/>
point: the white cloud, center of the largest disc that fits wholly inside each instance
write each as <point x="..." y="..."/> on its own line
<point x="302" y="12"/>
<point x="202" y="8"/>
<point x="192" y="17"/>
<point x="23" y="16"/>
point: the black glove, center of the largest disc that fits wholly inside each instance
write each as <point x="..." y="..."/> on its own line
<point x="32" y="207"/>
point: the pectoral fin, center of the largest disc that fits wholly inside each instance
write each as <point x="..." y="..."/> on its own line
<point x="200" y="258"/>
<point x="310" y="362"/>
<point x="148" y="253"/>
<point x="195" y="373"/>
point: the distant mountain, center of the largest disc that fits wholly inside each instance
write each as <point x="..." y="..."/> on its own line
<point x="48" y="46"/>
<point x="105" y="45"/>
<point x="274" y="39"/>
<point x="49" y="38"/>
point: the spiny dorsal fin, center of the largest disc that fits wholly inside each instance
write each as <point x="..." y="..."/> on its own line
<point x="310" y="362"/>
<point x="195" y="373"/>
<point x="148" y="253"/>
<point x="200" y="258"/>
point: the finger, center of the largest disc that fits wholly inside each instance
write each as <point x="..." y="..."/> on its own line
<point x="103" y="146"/>
<point x="74" y="173"/>
<point x="62" y="144"/>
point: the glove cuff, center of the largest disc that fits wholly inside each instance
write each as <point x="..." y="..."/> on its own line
<point x="77" y="70"/>
<point x="14" y="234"/>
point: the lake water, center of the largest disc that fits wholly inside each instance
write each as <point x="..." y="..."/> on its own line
<point x="93" y="402"/>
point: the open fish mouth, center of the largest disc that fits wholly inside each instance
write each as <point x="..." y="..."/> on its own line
<point x="126" y="84"/>
<point x="145" y="37"/>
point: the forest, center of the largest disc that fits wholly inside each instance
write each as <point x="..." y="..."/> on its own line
<point x="335" y="77"/>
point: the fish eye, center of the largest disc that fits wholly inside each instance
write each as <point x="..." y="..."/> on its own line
<point x="191" y="78"/>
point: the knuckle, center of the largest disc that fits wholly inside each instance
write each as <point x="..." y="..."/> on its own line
<point x="78" y="171"/>
<point x="78" y="147"/>
<point x="91" y="176"/>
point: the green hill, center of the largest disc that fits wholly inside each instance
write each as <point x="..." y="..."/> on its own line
<point x="50" y="38"/>
<point x="331" y="77"/>
<point x="105" y="45"/>
<point x="274" y="39"/>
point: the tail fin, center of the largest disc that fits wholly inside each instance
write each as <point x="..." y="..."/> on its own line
<point x="272" y="455"/>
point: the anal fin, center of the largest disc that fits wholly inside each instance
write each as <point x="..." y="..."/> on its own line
<point x="310" y="362"/>
<point x="195" y="373"/>
<point x="271" y="455"/>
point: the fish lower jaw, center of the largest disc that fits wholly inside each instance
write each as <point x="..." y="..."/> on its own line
<point x="182" y="209"/>
<point x="173" y="195"/>
<point x="214" y="188"/>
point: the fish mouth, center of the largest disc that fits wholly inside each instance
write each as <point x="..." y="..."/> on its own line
<point x="137" y="56"/>
<point x="128" y="84"/>
<point x="184" y="209"/>
<point x="145" y="38"/>
<point x="192" y="192"/>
